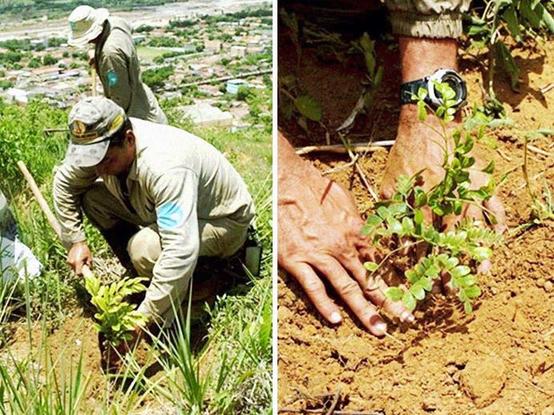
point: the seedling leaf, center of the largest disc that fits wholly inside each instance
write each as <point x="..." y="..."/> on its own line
<point x="308" y="107"/>
<point x="395" y="293"/>
<point x="409" y="301"/>
<point x="371" y="266"/>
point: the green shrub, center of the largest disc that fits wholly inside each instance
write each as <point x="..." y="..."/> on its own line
<point x="49" y="60"/>
<point x="156" y="78"/>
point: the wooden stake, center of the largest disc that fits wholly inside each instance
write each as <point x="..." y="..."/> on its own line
<point x="93" y="74"/>
<point x="45" y="208"/>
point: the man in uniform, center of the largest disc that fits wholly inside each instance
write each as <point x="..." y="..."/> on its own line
<point x="162" y="203"/>
<point x="115" y="61"/>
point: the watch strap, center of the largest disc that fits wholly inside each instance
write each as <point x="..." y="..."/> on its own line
<point x="409" y="89"/>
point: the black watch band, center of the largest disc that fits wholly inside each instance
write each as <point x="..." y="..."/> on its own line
<point x="409" y="90"/>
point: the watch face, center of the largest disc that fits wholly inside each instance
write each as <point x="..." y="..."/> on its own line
<point x="455" y="82"/>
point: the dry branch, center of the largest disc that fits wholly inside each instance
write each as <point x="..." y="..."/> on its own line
<point x="538" y="150"/>
<point x="342" y="149"/>
<point x="547" y="88"/>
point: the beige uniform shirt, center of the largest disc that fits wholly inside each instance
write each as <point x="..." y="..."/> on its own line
<point x="173" y="182"/>
<point x="119" y="71"/>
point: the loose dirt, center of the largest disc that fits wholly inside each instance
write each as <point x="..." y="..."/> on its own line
<point x="497" y="360"/>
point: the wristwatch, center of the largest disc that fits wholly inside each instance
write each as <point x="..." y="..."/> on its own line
<point x="408" y="91"/>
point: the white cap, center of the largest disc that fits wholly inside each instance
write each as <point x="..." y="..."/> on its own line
<point x="86" y="24"/>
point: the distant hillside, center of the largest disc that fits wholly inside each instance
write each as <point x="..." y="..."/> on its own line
<point x="27" y="9"/>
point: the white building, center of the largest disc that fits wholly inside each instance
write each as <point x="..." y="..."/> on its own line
<point x="206" y="115"/>
<point x="238" y="51"/>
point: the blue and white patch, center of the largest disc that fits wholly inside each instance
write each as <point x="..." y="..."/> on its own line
<point x="170" y="216"/>
<point x="112" y="78"/>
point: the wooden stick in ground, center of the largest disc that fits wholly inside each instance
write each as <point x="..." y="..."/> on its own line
<point x="93" y="75"/>
<point x="341" y="149"/>
<point x="40" y="199"/>
<point x="45" y="208"/>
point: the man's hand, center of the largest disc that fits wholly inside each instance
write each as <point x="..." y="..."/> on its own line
<point x="419" y="147"/>
<point x="79" y="255"/>
<point x="320" y="232"/>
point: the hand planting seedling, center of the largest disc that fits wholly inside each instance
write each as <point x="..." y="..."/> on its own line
<point x="116" y="319"/>
<point x="399" y="222"/>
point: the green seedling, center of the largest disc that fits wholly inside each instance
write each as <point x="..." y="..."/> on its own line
<point x="115" y="318"/>
<point x="455" y="253"/>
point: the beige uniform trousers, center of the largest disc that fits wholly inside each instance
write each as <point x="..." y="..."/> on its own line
<point x="218" y="237"/>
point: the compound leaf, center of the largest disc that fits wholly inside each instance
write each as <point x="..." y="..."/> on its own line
<point x="395" y="293"/>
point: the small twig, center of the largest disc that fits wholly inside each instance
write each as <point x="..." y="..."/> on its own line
<point x="340" y="168"/>
<point x="48" y="131"/>
<point x="537" y="387"/>
<point x="331" y="410"/>
<point x="547" y="88"/>
<point x="366" y="183"/>
<point x="538" y="150"/>
<point x="390" y="336"/>
<point x="548" y="333"/>
<point x="536" y="176"/>
<point x="503" y="155"/>
<point x="341" y="148"/>
<point x="358" y="169"/>
<point x="525" y="169"/>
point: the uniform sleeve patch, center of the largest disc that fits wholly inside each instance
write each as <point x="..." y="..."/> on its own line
<point x="170" y="216"/>
<point x="112" y="78"/>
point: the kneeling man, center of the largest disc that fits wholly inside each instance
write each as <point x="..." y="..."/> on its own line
<point x="160" y="205"/>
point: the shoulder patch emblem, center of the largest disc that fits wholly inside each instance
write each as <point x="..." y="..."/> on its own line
<point x="112" y="78"/>
<point x="170" y="216"/>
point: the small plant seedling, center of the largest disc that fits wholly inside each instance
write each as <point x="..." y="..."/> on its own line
<point x="455" y="253"/>
<point x="115" y="318"/>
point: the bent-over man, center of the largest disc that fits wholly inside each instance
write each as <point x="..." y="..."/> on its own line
<point x="161" y="203"/>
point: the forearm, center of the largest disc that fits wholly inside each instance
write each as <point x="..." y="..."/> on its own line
<point x="420" y="57"/>
<point x="293" y="170"/>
